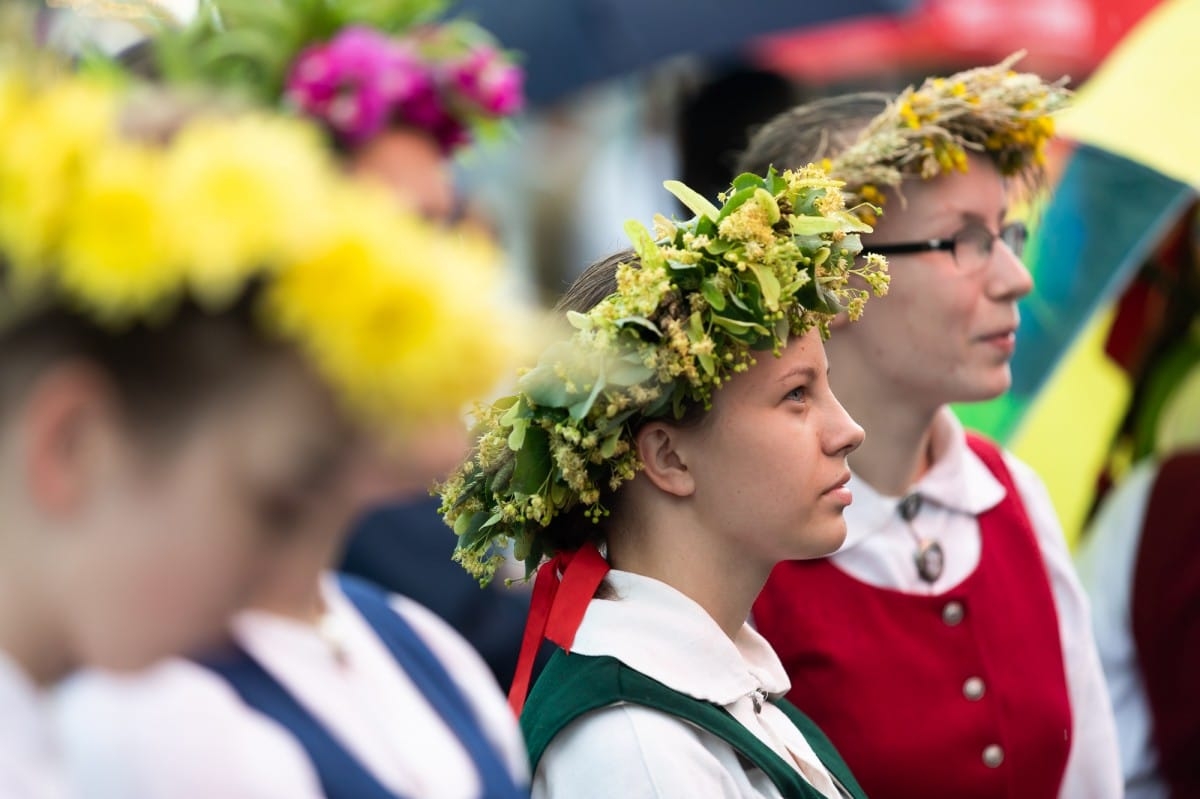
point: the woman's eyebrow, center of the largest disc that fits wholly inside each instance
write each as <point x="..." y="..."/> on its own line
<point x="806" y="372"/>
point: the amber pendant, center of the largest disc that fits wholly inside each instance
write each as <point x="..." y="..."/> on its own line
<point x="930" y="560"/>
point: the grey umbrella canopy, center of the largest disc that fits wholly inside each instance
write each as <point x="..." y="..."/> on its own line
<point x="567" y="44"/>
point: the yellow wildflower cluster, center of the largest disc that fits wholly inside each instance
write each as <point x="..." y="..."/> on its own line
<point x="687" y="315"/>
<point x="123" y="226"/>
<point x="932" y="129"/>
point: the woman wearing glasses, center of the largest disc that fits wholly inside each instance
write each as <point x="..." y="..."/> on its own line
<point x="949" y="654"/>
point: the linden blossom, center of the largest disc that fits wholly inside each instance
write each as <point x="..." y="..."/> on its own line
<point x="773" y="261"/>
<point x="931" y="129"/>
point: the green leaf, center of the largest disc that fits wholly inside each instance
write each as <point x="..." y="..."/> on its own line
<point x="747" y="180"/>
<point x="516" y="409"/>
<point x="738" y="302"/>
<point x="640" y="321"/>
<point x="473" y="534"/>
<point x="644" y="245"/>
<point x="692" y="199"/>
<point x="768" y="204"/>
<point x="739" y="328"/>
<point x="715" y="297"/>
<point x="579" y="321"/>
<point x="533" y="462"/>
<point x="775" y="182"/>
<point x="523" y="544"/>
<point x="736" y="200"/>
<point x="719" y="246"/>
<point x="813" y="225"/>
<point x="767" y="282"/>
<point x="580" y="409"/>
<point x="851" y="222"/>
<point x="628" y="371"/>
<point x="502" y="479"/>
<point x="608" y="447"/>
<point x="544" y="387"/>
<point x="517" y="437"/>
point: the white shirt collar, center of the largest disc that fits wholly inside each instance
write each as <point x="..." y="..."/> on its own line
<point x="28" y="759"/>
<point x="657" y="630"/>
<point x="958" y="481"/>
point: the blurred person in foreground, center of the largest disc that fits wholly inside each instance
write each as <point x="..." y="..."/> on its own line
<point x="400" y="97"/>
<point x="187" y="366"/>
<point x="329" y="686"/>
<point x="946" y="647"/>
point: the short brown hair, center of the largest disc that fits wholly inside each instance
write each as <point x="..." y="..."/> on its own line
<point x="810" y="132"/>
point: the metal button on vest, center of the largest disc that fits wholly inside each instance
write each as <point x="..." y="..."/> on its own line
<point x="952" y="613"/>
<point x="993" y="756"/>
<point x="973" y="689"/>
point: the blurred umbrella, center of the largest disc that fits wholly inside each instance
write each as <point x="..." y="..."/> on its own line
<point x="1060" y="36"/>
<point x="1134" y="171"/>
<point x="568" y="44"/>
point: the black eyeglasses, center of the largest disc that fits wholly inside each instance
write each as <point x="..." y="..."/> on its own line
<point x="971" y="247"/>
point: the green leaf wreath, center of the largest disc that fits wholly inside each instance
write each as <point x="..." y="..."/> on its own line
<point x="775" y="260"/>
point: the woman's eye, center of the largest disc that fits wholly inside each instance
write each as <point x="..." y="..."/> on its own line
<point x="797" y="394"/>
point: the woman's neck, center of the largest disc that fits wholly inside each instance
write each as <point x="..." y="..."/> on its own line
<point x="293" y="589"/>
<point x="898" y="448"/>
<point x="31" y="634"/>
<point x="677" y="553"/>
<point x="895" y="454"/>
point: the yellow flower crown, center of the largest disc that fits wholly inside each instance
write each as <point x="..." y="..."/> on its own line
<point x="387" y="307"/>
<point x="774" y="260"/>
<point x="931" y="129"/>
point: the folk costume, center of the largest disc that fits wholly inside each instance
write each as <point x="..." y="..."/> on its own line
<point x="381" y="700"/>
<point x="863" y="623"/>
<point x="648" y="696"/>
<point x="363" y="72"/>
<point x="122" y="207"/>
<point x="945" y="647"/>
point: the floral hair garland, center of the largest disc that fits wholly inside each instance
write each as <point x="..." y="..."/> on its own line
<point x="773" y="261"/>
<point x="930" y="130"/>
<point x="386" y="306"/>
<point x="354" y="67"/>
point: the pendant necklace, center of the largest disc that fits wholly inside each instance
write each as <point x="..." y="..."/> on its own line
<point x="929" y="558"/>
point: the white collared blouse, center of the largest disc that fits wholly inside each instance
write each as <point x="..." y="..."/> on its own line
<point x="180" y="731"/>
<point x="636" y="752"/>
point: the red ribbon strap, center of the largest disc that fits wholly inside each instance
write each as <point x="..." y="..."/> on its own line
<point x="556" y="610"/>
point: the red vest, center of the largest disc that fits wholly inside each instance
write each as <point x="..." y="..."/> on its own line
<point x="961" y="696"/>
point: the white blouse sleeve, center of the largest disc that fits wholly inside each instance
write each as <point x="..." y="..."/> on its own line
<point x="174" y="731"/>
<point x="1093" y="766"/>
<point x="474" y="679"/>
<point x="638" y="753"/>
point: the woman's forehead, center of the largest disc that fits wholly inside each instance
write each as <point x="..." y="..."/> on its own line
<point x="803" y="358"/>
<point x="980" y="194"/>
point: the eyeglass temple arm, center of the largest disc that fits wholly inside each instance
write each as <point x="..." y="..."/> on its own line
<point x="911" y="247"/>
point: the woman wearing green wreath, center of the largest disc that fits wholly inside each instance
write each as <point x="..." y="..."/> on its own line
<point x="666" y="455"/>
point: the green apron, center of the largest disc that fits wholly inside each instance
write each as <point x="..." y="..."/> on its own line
<point x="572" y="685"/>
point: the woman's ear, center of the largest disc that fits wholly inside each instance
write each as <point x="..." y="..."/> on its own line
<point x="64" y="422"/>
<point x="658" y="447"/>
